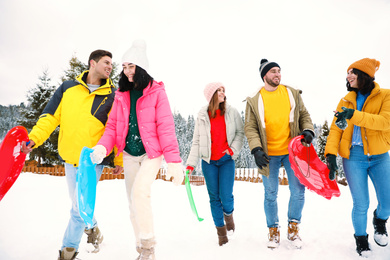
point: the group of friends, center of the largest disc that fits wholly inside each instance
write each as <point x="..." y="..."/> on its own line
<point x="136" y="123"/>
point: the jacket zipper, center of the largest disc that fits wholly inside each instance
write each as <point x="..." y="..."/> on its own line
<point x="365" y="131"/>
<point x="101" y="103"/>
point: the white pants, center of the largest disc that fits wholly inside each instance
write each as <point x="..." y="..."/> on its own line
<point x="140" y="173"/>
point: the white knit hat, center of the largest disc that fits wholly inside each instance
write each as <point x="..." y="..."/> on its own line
<point x="137" y="55"/>
<point x="210" y="89"/>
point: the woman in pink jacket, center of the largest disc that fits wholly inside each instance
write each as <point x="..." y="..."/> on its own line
<point x="141" y="125"/>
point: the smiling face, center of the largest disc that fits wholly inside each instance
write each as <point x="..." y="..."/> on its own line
<point x="273" y="77"/>
<point x="221" y="94"/>
<point x="129" y="70"/>
<point x="102" y="68"/>
<point x="352" y="79"/>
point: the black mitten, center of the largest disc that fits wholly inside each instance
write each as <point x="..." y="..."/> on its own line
<point x="342" y="117"/>
<point x="308" y="136"/>
<point x="332" y="166"/>
<point x="261" y="158"/>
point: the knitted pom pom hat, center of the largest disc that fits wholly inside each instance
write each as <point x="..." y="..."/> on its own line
<point x="137" y="55"/>
<point x="210" y="89"/>
<point x="265" y="66"/>
<point x="369" y="66"/>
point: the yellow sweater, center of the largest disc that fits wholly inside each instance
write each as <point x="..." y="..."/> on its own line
<point x="276" y="117"/>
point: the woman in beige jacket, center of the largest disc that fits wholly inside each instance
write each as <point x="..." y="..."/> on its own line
<point x="218" y="138"/>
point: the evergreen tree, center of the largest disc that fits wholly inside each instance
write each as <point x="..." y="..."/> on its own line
<point x="181" y="129"/>
<point x="321" y="143"/>
<point x="38" y="98"/>
<point x="76" y="67"/>
<point x="245" y="158"/>
<point x="322" y="139"/>
<point x="8" y="118"/>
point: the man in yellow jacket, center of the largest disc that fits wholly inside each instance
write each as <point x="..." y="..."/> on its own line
<point x="275" y="114"/>
<point x="80" y="107"/>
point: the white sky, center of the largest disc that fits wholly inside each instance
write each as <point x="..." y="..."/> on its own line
<point x="191" y="43"/>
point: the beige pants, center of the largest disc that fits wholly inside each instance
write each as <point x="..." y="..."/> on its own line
<point x="140" y="173"/>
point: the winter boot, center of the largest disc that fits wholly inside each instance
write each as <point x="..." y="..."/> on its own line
<point x="222" y="235"/>
<point x="147" y="249"/>
<point x="95" y="238"/>
<point x="68" y="253"/>
<point x="274" y="238"/>
<point x="230" y="227"/>
<point x="362" y="246"/>
<point x="293" y="235"/>
<point x="139" y="251"/>
<point x="380" y="234"/>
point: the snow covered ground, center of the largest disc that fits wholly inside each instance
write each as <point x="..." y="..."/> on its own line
<point x="35" y="212"/>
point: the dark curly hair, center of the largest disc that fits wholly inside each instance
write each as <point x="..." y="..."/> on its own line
<point x="141" y="80"/>
<point x="365" y="82"/>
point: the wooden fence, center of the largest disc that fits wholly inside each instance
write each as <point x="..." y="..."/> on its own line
<point x="242" y="174"/>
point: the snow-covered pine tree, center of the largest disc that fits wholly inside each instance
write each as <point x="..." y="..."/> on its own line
<point x="245" y="158"/>
<point x="37" y="98"/>
<point x="189" y="137"/>
<point x="321" y="141"/>
<point x="9" y="116"/>
<point x="76" y="67"/>
<point x="180" y="129"/>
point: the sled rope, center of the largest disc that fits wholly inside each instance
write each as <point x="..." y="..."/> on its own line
<point x="308" y="162"/>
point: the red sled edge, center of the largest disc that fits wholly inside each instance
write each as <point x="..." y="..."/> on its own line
<point x="12" y="159"/>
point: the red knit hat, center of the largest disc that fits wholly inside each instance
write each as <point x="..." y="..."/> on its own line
<point x="369" y="66"/>
<point x="210" y="89"/>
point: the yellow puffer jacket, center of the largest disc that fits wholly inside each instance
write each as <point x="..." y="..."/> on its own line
<point x="374" y="120"/>
<point x="81" y="115"/>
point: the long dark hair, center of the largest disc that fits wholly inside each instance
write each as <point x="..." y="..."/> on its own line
<point x="141" y="80"/>
<point x="214" y="105"/>
<point x="365" y="82"/>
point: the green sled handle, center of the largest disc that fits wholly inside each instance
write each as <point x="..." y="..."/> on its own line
<point x="190" y="198"/>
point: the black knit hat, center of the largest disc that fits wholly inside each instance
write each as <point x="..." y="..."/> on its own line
<point x="265" y="66"/>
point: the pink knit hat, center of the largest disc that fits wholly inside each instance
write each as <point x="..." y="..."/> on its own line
<point x="210" y="89"/>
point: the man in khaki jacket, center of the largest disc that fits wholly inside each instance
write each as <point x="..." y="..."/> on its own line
<point x="274" y="114"/>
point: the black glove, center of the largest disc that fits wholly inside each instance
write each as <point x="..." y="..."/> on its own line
<point x="261" y="158"/>
<point x="342" y="117"/>
<point x="332" y="166"/>
<point x="308" y="136"/>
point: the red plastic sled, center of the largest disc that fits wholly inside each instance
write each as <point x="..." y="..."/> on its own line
<point x="11" y="158"/>
<point x="310" y="170"/>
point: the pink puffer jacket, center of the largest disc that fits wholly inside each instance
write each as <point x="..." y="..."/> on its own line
<point x="155" y="122"/>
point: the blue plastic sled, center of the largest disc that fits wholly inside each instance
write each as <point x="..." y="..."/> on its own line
<point x="86" y="186"/>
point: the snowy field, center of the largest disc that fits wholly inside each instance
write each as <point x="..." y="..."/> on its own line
<point x="35" y="212"/>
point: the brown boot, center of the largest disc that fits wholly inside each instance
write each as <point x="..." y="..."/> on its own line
<point x="222" y="235"/>
<point x="230" y="227"/>
<point x="139" y="251"/>
<point x="293" y="236"/>
<point x="274" y="238"/>
<point x="147" y="249"/>
<point x="68" y="253"/>
<point x="95" y="238"/>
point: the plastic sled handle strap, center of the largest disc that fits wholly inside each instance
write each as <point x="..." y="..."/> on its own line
<point x="191" y="199"/>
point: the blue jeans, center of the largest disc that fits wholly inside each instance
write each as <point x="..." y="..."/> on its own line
<point x="357" y="170"/>
<point x="76" y="224"/>
<point x="271" y="187"/>
<point x="219" y="176"/>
